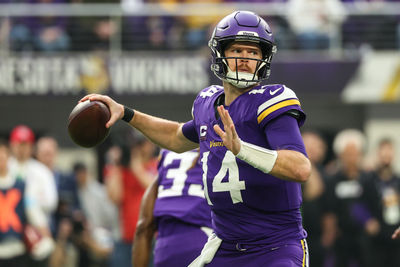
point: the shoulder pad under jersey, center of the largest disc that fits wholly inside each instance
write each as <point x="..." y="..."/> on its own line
<point x="274" y="100"/>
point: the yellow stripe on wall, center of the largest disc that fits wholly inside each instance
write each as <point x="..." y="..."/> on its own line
<point x="392" y="90"/>
<point x="271" y="109"/>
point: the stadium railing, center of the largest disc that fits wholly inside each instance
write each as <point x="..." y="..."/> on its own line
<point x="173" y="27"/>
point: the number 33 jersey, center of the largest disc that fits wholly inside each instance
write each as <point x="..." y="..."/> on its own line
<point x="180" y="189"/>
<point x="248" y="206"/>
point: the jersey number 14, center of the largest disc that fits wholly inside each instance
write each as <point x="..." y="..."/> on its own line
<point x="233" y="185"/>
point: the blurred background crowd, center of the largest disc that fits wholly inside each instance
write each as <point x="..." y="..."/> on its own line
<point x="340" y="57"/>
<point x="91" y="221"/>
<point x="351" y="203"/>
<point x="298" y="24"/>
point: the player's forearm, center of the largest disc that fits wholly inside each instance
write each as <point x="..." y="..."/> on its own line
<point x="165" y="133"/>
<point x="145" y="228"/>
<point x="292" y="166"/>
<point x="141" y="249"/>
<point x="284" y="164"/>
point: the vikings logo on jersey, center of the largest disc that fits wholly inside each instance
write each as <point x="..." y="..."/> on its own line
<point x="232" y="186"/>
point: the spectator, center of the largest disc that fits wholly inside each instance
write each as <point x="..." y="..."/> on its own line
<point x="47" y="153"/>
<point x="126" y="186"/>
<point x="198" y="28"/>
<point x="381" y="195"/>
<point x="65" y="253"/>
<point x="19" y="211"/>
<point x="101" y="219"/>
<point x="315" y="22"/>
<point x="46" y="33"/>
<point x="92" y="33"/>
<point x="84" y="237"/>
<point x="36" y="175"/>
<point x="153" y="32"/>
<point x="341" y="226"/>
<point x="313" y="195"/>
<point x="30" y="170"/>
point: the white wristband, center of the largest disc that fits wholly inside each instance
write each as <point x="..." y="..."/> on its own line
<point x="258" y="157"/>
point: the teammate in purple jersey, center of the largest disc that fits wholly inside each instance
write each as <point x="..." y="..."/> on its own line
<point x="251" y="150"/>
<point x="175" y="207"/>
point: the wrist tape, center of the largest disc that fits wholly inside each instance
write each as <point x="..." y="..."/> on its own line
<point x="258" y="157"/>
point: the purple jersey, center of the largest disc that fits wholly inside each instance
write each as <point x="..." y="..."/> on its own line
<point x="180" y="190"/>
<point x="248" y="205"/>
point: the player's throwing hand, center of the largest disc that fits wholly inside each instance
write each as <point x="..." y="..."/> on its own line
<point x="229" y="137"/>
<point x="116" y="109"/>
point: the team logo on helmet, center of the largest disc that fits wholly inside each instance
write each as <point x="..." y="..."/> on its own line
<point x="247" y="33"/>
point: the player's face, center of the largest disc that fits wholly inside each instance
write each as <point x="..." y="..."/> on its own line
<point x="243" y="50"/>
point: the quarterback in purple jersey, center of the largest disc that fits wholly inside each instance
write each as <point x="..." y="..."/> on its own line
<point x="251" y="150"/>
<point x="175" y="207"/>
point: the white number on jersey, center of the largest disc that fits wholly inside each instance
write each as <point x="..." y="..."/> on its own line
<point x="179" y="176"/>
<point x="233" y="185"/>
<point x="209" y="92"/>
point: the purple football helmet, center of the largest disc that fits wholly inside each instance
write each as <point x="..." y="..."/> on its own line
<point x="242" y="26"/>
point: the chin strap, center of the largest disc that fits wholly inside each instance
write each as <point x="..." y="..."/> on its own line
<point x="258" y="157"/>
<point x="242" y="79"/>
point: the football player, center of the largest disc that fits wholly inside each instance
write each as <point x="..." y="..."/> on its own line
<point x="251" y="150"/>
<point x="173" y="206"/>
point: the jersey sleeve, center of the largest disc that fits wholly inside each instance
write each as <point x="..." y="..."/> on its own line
<point x="202" y="105"/>
<point x="284" y="133"/>
<point x="189" y="131"/>
<point x="278" y="100"/>
<point x="189" y="127"/>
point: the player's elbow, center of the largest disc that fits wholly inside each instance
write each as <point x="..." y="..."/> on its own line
<point x="303" y="171"/>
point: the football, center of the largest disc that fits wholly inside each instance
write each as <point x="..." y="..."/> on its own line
<point x="87" y="123"/>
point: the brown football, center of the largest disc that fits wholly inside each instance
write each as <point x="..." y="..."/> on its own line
<point x="87" y="123"/>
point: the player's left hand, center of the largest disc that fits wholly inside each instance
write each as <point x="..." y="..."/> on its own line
<point x="229" y="137"/>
